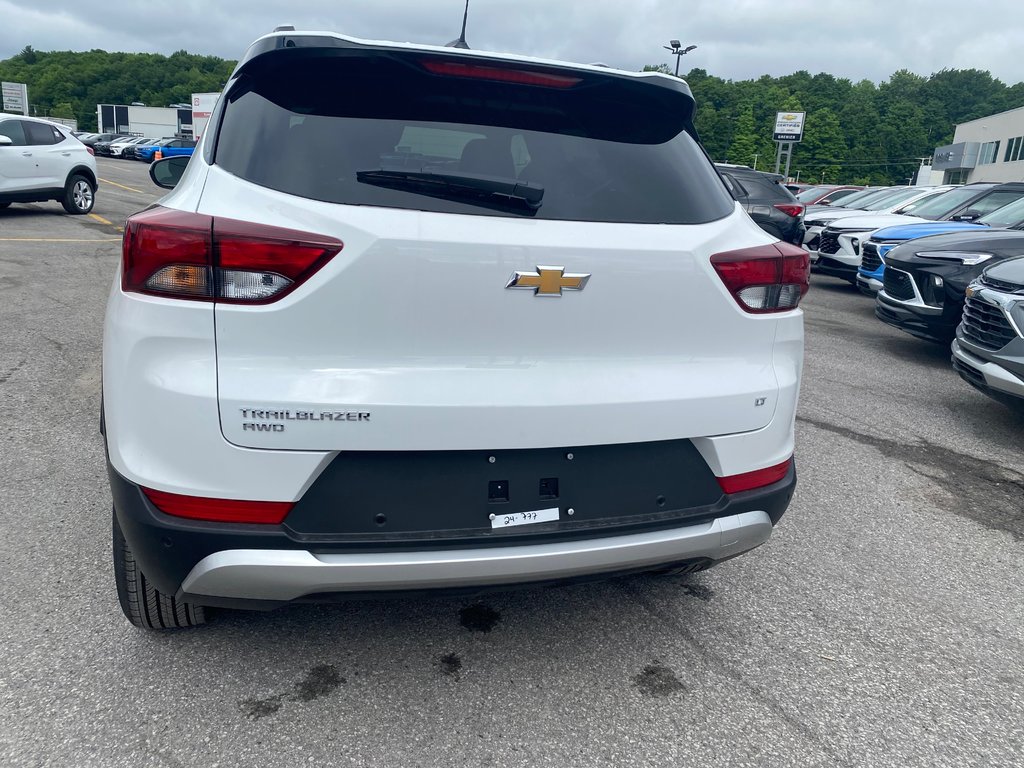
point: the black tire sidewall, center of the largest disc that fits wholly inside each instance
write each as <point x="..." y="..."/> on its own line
<point x="68" y="199"/>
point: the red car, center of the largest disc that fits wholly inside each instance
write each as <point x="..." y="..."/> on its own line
<point x="825" y="194"/>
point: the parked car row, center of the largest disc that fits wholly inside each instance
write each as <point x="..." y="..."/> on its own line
<point x="136" y="147"/>
<point x="944" y="264"/>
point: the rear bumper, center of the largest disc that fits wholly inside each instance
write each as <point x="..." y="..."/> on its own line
<point x="286" y="575"/>
<point x="262" y="566"/>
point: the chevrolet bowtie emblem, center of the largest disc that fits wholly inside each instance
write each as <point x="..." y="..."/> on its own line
<point x="549" y="281"/>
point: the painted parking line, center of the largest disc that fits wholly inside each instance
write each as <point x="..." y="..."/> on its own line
<point x="100" y="219"/>
<point x="122" y="186"/>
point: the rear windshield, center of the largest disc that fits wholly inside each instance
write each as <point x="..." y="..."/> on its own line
<point x="891" y="200"/>
<point x="855" y="197"/>
<point x="605" y="150"/>
<point x="1011" y="215"/>
<point x="812" y="194"/>
<point x="938" y="207"/>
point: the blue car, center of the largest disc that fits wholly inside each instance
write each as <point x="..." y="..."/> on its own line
<point x="871" y="274"/>
<point x="167" y="148"/>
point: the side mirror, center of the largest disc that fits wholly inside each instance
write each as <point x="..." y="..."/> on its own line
<point x="5" y="141"/>
<point x="167" y="172"/>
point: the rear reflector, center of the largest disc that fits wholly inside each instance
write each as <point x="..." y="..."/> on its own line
<point x="759" y="478"/>
<point x="766" y="278"/>
<point x="520" y="76"/>
<point x="185" y="255"/>
<point x="219" y="510"/>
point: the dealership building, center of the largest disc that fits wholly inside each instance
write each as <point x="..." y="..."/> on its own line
<point x="140" y="120"/>
<point x="987" y="149"/>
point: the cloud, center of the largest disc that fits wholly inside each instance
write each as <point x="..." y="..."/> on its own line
<point x="736" y="39"/>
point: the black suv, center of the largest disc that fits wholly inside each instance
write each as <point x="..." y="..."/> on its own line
<point x="926" y="279"/>
<point x="772" y="207"/>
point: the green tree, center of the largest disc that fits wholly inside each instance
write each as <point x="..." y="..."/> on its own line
<point x="823" y="150"/>
<point x="744" y="141"/>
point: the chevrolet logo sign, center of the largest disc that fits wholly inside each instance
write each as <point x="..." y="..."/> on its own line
<point x="548" y="281"/>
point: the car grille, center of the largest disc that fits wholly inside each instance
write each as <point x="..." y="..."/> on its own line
<point x="829" y="243"/>
<point x="1001" y="285"/>
<point x="870" y="260"/>
<point x="898" y="284"/>
<point x="968" y="372"/>
<point x="985" y="324"/>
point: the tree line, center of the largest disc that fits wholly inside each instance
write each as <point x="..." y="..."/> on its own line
<point x="70" y="84"/>
<point x="858" y="133"/>
<point x="854" y="132"/>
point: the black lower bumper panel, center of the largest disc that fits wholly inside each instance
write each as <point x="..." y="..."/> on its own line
<point x="413" y="501"/>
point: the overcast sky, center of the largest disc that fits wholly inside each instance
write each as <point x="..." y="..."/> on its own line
<point x="736" y="39"/>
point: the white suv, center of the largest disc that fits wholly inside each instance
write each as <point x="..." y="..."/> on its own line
<point x="420" y="318"/>
<point x="41" y="161"/>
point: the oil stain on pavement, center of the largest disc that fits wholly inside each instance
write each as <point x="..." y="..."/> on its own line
<point x="658" y="680"/>
<point x="318" y="682"/>
<point x="450" y="665"/>
<point x="479" y="618"/>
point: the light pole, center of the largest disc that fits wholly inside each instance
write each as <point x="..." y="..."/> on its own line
<point x="678" y="51"/>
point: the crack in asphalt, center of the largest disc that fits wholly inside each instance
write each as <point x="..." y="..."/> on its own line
<point x="979" y="489"/>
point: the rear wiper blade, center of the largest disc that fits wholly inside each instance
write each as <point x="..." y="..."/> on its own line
<point x="478" y="188"/>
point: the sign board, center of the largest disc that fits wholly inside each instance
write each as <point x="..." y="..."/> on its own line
<point x="15" y="97"/>
<point x="789" y="126"/>
<point x="202" y="108"/>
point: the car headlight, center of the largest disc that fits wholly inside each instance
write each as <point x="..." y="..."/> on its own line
<point x="966" y="258"/>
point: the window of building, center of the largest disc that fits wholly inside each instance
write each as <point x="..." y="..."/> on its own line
<point x="989" y="152"/>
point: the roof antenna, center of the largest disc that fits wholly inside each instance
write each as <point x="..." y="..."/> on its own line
<point x="461" y="42"/>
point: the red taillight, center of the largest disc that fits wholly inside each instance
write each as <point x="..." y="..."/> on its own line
<point x="520" y="76"/>
<point x="790" y="209"/>
<point x="167" y="252"/>
<point x="759" y="478"/>
<point x="91" y="151"/>
<point x="766" y="278"/>
<point x="219" y="510"/>
<point x="192" y="256"/>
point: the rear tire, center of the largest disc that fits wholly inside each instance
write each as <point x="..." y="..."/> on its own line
<point x="79" y="195"/>
<point x="143" y="604"/>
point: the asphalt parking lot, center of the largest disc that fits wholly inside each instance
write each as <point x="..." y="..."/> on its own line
<point x="883" y="624"/>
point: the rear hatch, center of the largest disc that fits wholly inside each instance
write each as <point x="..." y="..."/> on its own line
<point x="525" y="258"/>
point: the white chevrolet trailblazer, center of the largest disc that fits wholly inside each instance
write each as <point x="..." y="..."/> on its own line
<point x="419" y="318"/>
